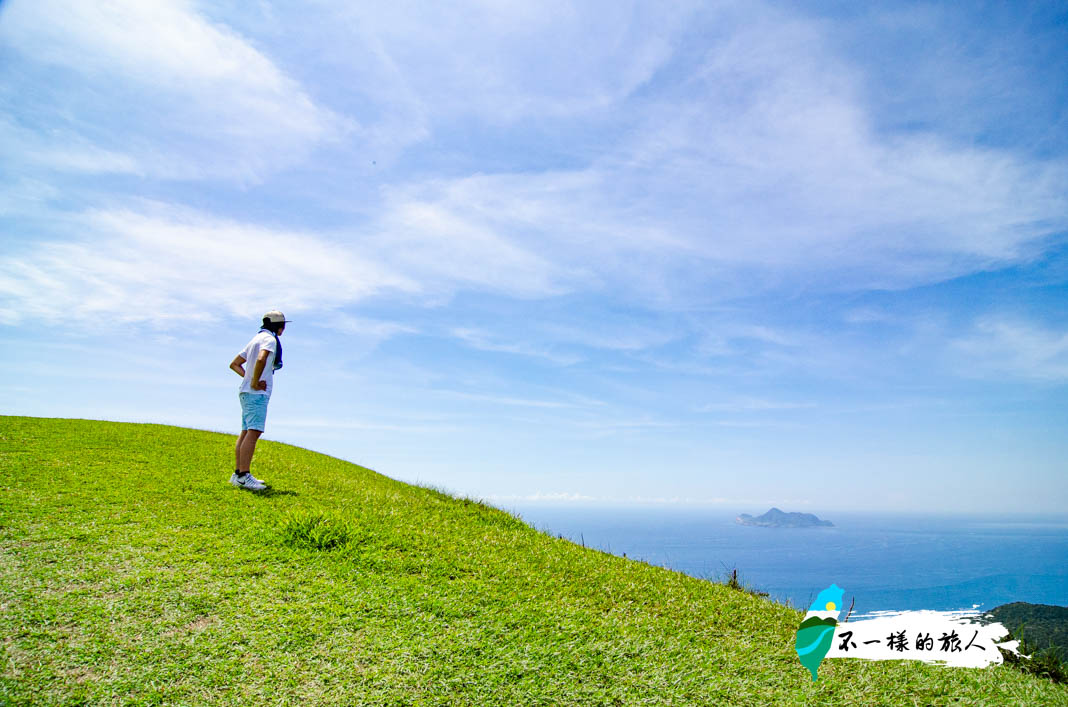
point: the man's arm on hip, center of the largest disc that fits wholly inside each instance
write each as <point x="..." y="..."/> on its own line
<point x="257" y="371"/>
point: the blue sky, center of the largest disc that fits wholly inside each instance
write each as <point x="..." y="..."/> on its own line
<point x="729" y="254"/>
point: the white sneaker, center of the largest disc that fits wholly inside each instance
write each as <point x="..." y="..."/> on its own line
<point x="248" y="481"/>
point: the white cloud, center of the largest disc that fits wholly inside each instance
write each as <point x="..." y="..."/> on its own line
<point x="350" y="424"/>
<point x="770" y="160"/>
<point x="160" y="262"/>
<point x="759" y="170"/>
<point x="611" y="333"/>
<point x="197" y="99"/>
<point x="868" y="315"/>
<point x="531" y="234"/>
<point x="510" y="401"/>
<point x="753" y="405"/>
<point x="728" y="338"/>
<point x="745" y="161"/>
<point x="485" y="341"/>
<point x="504" y="61"/>
<point x="25" y="195"/>
<point x="167" y="265"/>
<point x="64" y="150"/>
<point x="360" y="335"/>
<point x="1001" y="346"/>
<point x="610" y="426"/>
<point x="373" y="330"/>
<point x="437" y="245"/>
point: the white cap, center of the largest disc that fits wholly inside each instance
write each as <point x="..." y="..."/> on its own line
<point x="276" y="317"/>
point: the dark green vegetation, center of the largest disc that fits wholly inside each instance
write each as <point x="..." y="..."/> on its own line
<point x="1042" y="625"/>
<point x="131" y="572"/>
<point x="1043" y="632"/>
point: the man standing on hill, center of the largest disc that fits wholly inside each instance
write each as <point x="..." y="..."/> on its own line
<point x="263" y="354"/>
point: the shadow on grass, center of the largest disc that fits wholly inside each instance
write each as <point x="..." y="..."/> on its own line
<point x="267" y="492"/>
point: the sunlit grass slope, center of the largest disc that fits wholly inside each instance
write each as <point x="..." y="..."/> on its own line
<point x="130" y="571"/>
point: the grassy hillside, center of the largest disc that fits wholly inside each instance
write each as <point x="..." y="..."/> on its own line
<point x="130" y="571"/>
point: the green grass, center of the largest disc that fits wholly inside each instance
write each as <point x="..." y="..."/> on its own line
<point x="131" y="572"/>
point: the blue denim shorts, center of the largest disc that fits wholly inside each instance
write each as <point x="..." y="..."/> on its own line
<point x="253" y="411"/>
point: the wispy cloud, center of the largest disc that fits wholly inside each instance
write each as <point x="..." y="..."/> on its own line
<point x="613" y="334"/>
<point x="750" y="167"/>
<point x="222" y="107"/>
<point x="510" y="401"/>
<point x="372" y="330"/>
<point x="441" y="243"/>
<point x="485" y="341"/>
<point x="753" y="405"/>
<point x="164" y="264"/>
<point x="144" y="261"/>
<point x="868" y="315"/>
<point x="503" y="60"/>
<point x="731" y="336"/>
<point x="1015" y="348"/>
<point x="609" y="425"/>
<point x="355" y="424"/>
<point x="64" y="150"/>
<point x="762" y="171"/>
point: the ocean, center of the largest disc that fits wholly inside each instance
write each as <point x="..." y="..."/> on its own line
<point x="884" y="562"/>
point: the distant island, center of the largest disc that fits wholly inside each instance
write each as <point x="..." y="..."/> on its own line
<point x="778" y="519"/>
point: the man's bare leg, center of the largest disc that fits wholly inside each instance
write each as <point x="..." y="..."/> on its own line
<point x="237" y="450"/>
<point x="246" y="448"/>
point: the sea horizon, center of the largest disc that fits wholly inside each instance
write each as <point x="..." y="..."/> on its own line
<point x="886" y="561"/>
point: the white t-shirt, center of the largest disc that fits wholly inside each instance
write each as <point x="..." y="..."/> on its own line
<point x="263" y="341"/>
